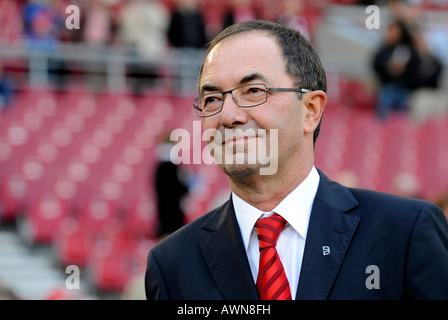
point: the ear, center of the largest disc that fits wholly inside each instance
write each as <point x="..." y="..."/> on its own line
<point x="315" y="103"/>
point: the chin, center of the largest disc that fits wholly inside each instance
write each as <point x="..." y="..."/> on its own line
<point x="240" y="170"/>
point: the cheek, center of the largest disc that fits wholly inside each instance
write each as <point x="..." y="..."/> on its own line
<point x="210" y="128"/>
<point x="290" y="128"/>
<point x="211" y="123"/>
<point x="284" y="115"/>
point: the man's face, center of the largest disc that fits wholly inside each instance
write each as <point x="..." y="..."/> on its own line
<point x="249" y="58"/>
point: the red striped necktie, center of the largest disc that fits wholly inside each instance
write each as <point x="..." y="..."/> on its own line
<point x="272" y="283"/>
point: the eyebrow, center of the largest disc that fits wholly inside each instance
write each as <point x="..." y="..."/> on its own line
<point x="252" y="77"/>
<point x="244" y="80"/>
<point x="208" y="87"/>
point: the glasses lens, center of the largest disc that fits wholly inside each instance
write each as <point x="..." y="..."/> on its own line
<point x="208" y="104"/>
<point x="246" y="96"/>
<point x="197" y="106"/>
<point x="250" y="95"/>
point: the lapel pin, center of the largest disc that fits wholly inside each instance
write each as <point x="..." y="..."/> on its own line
<point x="325" y="250"/>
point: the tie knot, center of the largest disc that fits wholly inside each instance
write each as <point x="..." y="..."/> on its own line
<point x="269" y="229"/>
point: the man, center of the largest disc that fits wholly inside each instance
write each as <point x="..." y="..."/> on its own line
<point x="323" y="240"/>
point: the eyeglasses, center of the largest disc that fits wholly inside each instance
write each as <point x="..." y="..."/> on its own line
<point x="246" y="96"/>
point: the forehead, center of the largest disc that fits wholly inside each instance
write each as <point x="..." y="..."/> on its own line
<point x="240" y="55"/>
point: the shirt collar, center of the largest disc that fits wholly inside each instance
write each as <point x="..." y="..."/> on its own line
<point x="295" y="208"/>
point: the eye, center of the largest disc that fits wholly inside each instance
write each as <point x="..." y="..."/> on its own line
<point x="254" y="90"/>
<point x="210" y="99"/>
<point x="211" y="102"/>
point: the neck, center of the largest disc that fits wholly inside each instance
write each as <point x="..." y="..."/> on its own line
<point x="266" y="192"/>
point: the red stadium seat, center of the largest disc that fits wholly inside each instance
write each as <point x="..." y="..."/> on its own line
<point x="43" y="218"/>
<point x="13" y="192"/>
<point x="142" y="219"/>
<point x="110" y="266"/>
<point x="72" y="243"/>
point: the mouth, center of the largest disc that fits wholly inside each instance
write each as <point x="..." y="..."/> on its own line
<point x="235" y="140"/>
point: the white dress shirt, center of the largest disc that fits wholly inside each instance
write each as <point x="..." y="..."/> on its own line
<point x="296" y="210"/>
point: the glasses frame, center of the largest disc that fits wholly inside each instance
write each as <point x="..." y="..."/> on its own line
<point x="224" y="93"/>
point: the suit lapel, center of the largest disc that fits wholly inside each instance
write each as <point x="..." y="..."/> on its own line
<point x="330" y="232"/>
<point x="223" y="251"/>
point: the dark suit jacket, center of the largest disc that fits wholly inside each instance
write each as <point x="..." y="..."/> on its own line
<point x="405" y="240"/>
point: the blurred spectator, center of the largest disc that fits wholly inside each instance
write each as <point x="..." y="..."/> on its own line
<point x="240" y="10"/>
<point x="97" y="23"/>
<point x="292" y="15"/>
<point x="187" y="32"/>
<point x="394" y="63"/>
<point x="367" y="2"/>
<point x="6" y="90"/>
<point x="405" y="10"/>
<point x="187" y="26"/>
<point x="429" y="68"/>
<point x="97" y="33"/>
<point x="144" y="25"/>
<point x="43" y="22"/>
<point x="171" y="188"/>
<point x="403" y="64"/>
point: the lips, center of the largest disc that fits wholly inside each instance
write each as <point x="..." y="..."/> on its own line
<point x="235" y="140"/>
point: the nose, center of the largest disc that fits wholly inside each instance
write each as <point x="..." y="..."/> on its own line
<point x="231" y="114"/>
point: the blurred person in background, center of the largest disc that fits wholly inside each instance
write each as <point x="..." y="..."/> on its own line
<point x="395" y="64"/>
<point x="404" y="63"/>
<point x="239" y="10"/>
<point x="43" y="21"/>
<point x="144" y="25"/>
<point x="171" y="187"/>
<point x="97" y="23"/>
<point x="6" y="89"/>
<point x="429" y="66"/>
<point x="186" y="32"/>
<point x="291" y="14"/>
<point x="187" y="26"/>
<point x="97" y="27"/>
